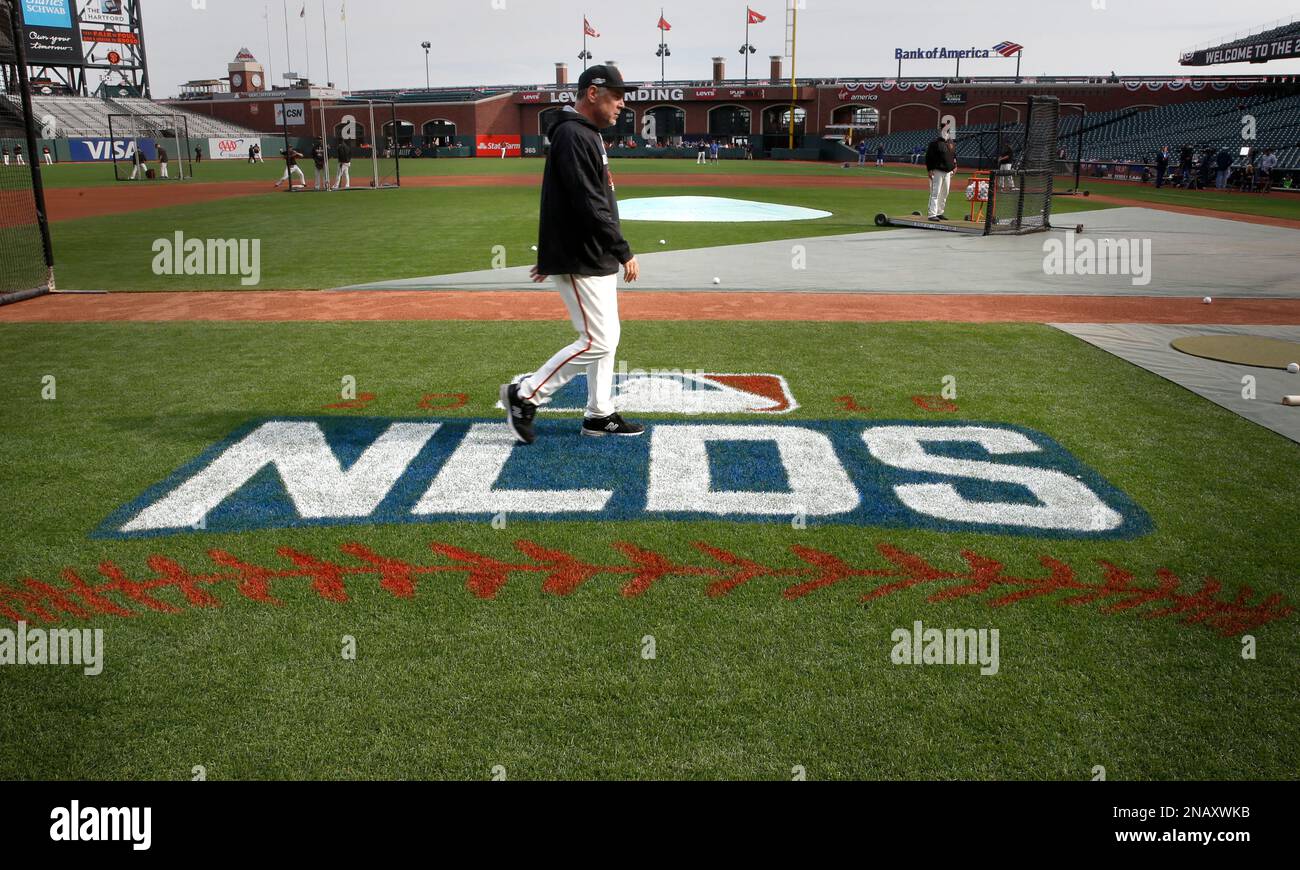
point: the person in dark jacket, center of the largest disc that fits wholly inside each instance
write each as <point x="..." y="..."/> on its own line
<point x="581" y="249"/>
<point x="344" y="154"/>
<point x="1162" y="166"/>
<point x="940" y="162"/>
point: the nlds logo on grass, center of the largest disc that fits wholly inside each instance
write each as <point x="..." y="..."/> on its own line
<point x="959" y="477"/>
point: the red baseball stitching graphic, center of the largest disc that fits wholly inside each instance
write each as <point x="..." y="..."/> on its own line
<point x="849" y="403"/>
<point x="456" y="400"/>
<point x="935" y="403"/>
<point x="563" y="573"/>
<point x="361" y="401"/>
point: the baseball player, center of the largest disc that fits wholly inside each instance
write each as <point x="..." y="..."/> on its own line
<point x="344" y="154"/>
<point x="139" y="165"/>
<point x="714" y="150"/>
<point x="940" y="163"/>
<point x="291" y="168"/>
<point x="318" y="157"/>
<point x="580" y="248"/>
<point x="6" y="156"/>
<point x="18" y="155"/>
<point x="162" y="161"/>
<point x="49" y="158"/>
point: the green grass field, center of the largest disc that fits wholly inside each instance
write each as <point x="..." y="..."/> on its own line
<point x="447" y="684"/>
<point x="317" y="242"/>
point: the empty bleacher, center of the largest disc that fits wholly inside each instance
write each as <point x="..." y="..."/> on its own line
<point x="76" y="117"/>
<point x="1135" y="136"/>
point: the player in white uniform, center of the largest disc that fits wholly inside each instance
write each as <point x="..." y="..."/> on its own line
<point x="581" y="249"/>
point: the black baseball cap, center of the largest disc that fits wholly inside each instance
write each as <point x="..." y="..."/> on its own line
<point x="602" y="76"/>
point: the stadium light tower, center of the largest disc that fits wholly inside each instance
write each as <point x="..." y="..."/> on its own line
<point x="426" y="46"/>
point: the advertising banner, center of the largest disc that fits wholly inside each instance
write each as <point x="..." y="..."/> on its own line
<point x="51" y="33"/>
<point x="231" y="149"/>
<point x="103" y="150"/>
<point x="492" y="146"/>
<point x="290" y="115"/>
<point x="1247" y="51"/>
<point x="102" y="12"/>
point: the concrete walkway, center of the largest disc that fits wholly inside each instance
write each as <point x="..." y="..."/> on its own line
<point x="1190" y="256"/>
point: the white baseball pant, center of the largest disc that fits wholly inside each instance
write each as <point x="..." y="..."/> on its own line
<point x="22" y="161"/>
<point x="345" y="176"/>
<point x="939" y="184"/>
<point x="296" y="172"/>
<point x="322" y="176"/>
<point x="593" y="309"/>
<point x="164" y="170"/>
<point x="49" y="160"/>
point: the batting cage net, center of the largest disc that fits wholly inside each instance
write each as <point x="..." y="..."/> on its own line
<point x="1021" y="199"/>
<point x="360" y="148"/>
<point x="381" y="145"/>
<point x="150" y="146"/>
<point x="26" y="259"/>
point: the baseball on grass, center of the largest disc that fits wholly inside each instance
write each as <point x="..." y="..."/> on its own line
<point x="1294" y="368"/>
<point x="663" y="241"/>
<point x="534" y="247"/>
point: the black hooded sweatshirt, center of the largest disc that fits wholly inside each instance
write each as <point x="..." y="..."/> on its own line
<point x="580" y="233"/>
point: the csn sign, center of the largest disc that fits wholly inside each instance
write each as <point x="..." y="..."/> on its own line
<point x="961" y="477"/>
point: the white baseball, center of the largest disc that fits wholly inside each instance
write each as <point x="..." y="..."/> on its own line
<point x="717" y="280"/>
<point x="1206" y="301"/>
<point x="534" y="247"/>
<point x="1294" y="368"/>
<point x="663" y="241"/>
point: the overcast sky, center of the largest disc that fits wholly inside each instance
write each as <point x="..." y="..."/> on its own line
<point x="519" y="41"/>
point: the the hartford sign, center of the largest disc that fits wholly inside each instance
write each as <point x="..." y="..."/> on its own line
<point x="961" y="477"/>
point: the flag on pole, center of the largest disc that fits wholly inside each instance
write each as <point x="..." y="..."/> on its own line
<point x="1006" y="49"/>
<point x="663" y="23"/>
<point x="755" y="17"/>
<point x="588" y="30"/>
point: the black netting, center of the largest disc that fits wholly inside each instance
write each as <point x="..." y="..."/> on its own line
<point x="1021" y="200"/>
<point x="152" y="136"/>
<point x="23" y="265"/>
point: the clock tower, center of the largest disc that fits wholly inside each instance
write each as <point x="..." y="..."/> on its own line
<point x="246" y="75"/>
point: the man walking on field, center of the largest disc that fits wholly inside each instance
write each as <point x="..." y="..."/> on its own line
<point x="581" y="249"/>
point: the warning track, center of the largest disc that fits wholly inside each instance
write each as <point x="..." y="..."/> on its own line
<point x="286" y="306"/>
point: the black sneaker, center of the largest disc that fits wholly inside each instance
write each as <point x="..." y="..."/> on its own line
<point x="943" y="217"/>
<point x="611" y="425"/>
<point x="519" y="414"/>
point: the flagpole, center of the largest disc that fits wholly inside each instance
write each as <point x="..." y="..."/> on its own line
<point x="663" y="77"/>
<point x="270" y="67"/>
<point x="746" y="49"/>
<point x="584" y="43"/>
<point x="306" y="41"/>
<point x="347" y="52"/>
<point x="326" y="27"/>
<point x="288" y="52"/>
<point x="1019" y="54"/>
